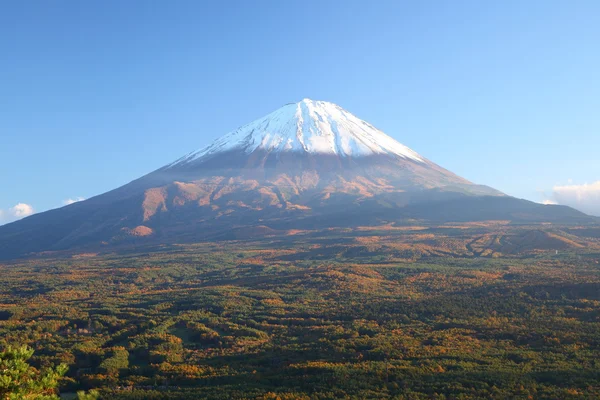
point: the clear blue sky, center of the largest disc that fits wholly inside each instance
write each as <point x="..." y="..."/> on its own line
<point x="96" y="93"/>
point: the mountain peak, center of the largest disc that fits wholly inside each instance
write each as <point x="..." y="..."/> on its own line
<point x="308" y="165"/>
<point x="308" y="126"/>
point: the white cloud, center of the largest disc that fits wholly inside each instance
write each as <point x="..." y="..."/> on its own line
<point x="21" y="210"/>
<point x="584" y="197"/>
<point x="549" y="202"/>
<point x="71" y="201"/>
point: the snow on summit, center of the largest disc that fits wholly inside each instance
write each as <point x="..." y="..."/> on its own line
<point x="316" y="127"/>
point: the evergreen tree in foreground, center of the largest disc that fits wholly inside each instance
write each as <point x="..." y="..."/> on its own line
<point x="21" y="381"/>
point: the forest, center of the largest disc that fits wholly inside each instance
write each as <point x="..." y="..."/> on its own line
<point x="399" y="312"/>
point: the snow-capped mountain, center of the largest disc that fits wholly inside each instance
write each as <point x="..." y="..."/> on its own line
<point x="319" y="139"/>
<point x="308" y="164"/>
<point x="313" y="127"/>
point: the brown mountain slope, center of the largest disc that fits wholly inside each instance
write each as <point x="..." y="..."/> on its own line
<point x="310" y="164"/>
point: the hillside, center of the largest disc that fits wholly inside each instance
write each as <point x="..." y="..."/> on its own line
<point x="309" y="164"/>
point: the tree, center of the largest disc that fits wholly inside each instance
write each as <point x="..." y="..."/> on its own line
<point x="19" y="380"/>
<point x="91" y="395"/>
<point x="116" y="362"/>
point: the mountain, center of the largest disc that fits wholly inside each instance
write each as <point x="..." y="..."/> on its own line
<point x="307" y="164"/>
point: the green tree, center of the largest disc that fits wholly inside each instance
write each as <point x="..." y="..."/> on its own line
<point x="91" y="395"/>
<point x="19" y="380"/>
<point x="118" y="361"/>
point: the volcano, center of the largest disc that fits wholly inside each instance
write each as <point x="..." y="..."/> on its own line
<point x="309" y="164"/>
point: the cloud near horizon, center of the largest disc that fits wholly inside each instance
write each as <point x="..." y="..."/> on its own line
<point x="71" y="201"/>
<point x="549" y="202"/>
<point x="584" y="197"/>
<point x="20" y="210"/>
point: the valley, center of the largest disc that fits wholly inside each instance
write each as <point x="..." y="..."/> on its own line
<point x="456" y="311"/>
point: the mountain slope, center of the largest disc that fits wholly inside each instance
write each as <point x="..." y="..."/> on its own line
<point x="307" y="163"/>
<point x="315" y="127"/>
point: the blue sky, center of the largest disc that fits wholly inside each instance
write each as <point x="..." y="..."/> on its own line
<point x="95" y="94"/>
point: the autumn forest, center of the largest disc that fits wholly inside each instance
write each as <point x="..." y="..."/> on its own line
<point x="406" y="312"/>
